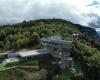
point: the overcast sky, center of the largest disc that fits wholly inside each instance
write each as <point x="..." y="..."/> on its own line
<point x="77" y="11"/>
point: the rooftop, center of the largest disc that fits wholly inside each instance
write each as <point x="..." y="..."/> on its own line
<point x="55" y="40"/>
<point x="32" y="53"/>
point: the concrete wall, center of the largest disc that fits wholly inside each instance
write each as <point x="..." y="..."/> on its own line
<point x="12" y="55"/>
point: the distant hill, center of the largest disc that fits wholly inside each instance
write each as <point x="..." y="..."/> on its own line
<point x="88" y="31"/>
<point x="83" y="29"/>
<point x="25" y="34"/>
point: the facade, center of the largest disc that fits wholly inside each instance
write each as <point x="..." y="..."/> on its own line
<point x="59" y="49"/>
<point x="12" y="55"/>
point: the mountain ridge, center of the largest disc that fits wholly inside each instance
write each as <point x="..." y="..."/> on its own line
<point x="22" y="35"/>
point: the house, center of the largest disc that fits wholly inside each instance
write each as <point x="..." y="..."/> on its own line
<point x="60" y="50"/>
<point x="22" y="55"/>
<point x="29" y="54"/>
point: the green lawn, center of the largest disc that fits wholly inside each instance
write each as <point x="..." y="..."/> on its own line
<point x="19" y="74"/>
<point x="44" y="69"/>
<point x="2" y="67"/>
<point x="24" y="72"/>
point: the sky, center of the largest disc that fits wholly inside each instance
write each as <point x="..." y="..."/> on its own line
<point x="84" y="12"/>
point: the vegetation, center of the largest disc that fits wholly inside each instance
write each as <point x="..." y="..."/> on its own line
<point x="20" y="74"/>
<point x="88" y="59"/>
<point x="85" y="50"/>
<point x="31" y="70"/>
<point x="28" y="34"/>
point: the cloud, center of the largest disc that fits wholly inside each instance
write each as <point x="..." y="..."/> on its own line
<point x="77" y="11"/>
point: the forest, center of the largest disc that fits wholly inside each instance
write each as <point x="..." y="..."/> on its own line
<point x="85" y="49"/>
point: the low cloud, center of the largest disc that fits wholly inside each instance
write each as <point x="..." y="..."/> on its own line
<point x="77" y="11"/>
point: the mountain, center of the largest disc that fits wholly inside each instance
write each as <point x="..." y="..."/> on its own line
<point x="21" y="35"/>
<point x="87" y="30"/>
<point x="83" y="29"/>
<point x="85" y="50"/>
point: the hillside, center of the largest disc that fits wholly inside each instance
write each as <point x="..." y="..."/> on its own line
<point x="87" y="31"/>
<point x="85" y="50"/>
<point x="25" y="34"/>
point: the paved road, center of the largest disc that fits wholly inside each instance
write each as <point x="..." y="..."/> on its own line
<point x="9" y="68"/>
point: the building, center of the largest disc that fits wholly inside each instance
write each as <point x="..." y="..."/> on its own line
<point x="21" y="55"/>
<point x="30" y="54"/>
<point x="60" y="50"/>
<point x="26" y="54"/>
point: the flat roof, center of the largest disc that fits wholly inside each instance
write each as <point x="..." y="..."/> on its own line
<point x="55" y="41"/>
<point x="32" y="53"/>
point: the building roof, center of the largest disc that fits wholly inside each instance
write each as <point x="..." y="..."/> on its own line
<point x="32" y="53"/>
<point x="55" y="40"/>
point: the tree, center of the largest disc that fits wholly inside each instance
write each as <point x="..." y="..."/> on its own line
<point x="2" y="35"/>
<point x="7" y="45"/>
<point x="1" y="44"/>
<point x="19" y="43"/>
<point x="14" y="45"/>
<point x="35" y="39"/>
